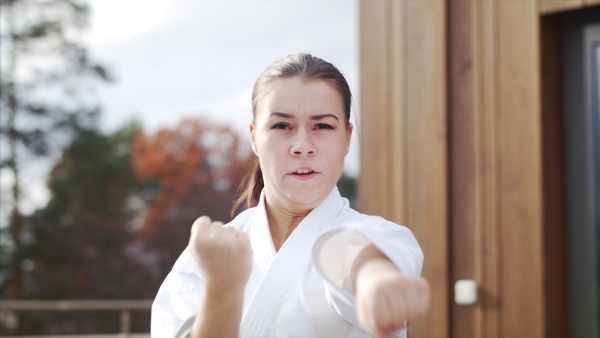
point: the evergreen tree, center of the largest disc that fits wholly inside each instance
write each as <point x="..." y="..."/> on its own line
<point x="84" y="243"/>
<point x="44" y="74"/>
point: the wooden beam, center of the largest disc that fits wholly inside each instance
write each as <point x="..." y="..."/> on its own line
<point x="372" y="190"/>
<point x="397" y="107"/>
<point x="427" y="165"/>
<point x="521" y="169"/>
<point x="485" y="74"/>
<point x="465" y="177"/>
<point x="553" y="6"/>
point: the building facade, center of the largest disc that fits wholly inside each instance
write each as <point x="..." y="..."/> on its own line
<point x="480" y="118"/>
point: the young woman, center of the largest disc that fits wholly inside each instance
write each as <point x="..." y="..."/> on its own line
<point x="299" y="262"/>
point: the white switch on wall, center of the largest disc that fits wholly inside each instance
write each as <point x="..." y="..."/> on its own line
<point x="465" y="292"/>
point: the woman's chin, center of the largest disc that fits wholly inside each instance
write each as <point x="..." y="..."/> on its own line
<point x="301" y="198"/>
<point x="307" y="199"/>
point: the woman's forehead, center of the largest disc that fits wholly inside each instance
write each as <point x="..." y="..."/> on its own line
<point x="297" y="95"/>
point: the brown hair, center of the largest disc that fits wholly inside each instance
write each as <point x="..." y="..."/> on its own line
<point x="304" y="66"/>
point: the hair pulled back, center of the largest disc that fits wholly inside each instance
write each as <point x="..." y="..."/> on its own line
<point x="304" y="66"/>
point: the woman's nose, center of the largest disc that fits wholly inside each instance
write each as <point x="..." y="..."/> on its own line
<point x="303" y="144"/>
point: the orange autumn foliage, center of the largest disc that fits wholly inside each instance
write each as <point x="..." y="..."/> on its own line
<point x="198" y="166"/>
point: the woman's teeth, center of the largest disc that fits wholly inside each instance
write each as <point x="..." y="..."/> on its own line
<point x="303" y="171"/>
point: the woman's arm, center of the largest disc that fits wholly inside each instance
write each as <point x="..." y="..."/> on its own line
<point x="224" y="257"/>
<point x="385" y="298"/>
<point x="220" y="314"/>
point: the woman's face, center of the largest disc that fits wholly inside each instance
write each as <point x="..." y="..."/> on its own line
<point x="301" y="139"/>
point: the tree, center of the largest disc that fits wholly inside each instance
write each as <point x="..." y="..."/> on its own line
<point x="43" y="76"/>
<point x="84" y="241"/>
<point x="119" y="216"/>
<point x="198" y="166"/>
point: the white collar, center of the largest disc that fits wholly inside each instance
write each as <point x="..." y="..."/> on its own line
<point x="318" y="220"/>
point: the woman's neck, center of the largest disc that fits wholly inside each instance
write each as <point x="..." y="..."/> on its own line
<point x="282" y="223"/>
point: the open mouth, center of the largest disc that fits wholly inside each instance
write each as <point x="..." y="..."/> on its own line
<point x="303" y="172"/>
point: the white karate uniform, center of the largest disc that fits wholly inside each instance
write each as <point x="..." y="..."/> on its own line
<point x="300" y="291"/>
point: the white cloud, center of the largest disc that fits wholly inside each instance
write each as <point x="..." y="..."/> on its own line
<point x="124" y="19"/>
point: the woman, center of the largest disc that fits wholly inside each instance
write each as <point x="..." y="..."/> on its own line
<point x="300" y="263"/>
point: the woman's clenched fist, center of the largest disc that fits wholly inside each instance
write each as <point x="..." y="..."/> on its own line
<point x="223" y="254"/>
<point x="385" y="298"/>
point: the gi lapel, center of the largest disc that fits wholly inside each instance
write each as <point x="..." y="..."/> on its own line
<point x="286" y="265"/>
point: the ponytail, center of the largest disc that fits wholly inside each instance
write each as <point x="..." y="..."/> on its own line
<point x="250" y="188"/>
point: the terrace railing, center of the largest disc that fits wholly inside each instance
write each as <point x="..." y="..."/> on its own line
<point x="123" y="306"/>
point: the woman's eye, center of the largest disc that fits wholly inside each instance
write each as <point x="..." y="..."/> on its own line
<point x="280" y="126"/>
<point x="324" y="126"/>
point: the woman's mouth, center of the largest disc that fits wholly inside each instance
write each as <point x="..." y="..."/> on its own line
<point x="304" y="174"/>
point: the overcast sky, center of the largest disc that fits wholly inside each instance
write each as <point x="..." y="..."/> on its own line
<point x="182" y="58"/>
<point x="179" y="58"/>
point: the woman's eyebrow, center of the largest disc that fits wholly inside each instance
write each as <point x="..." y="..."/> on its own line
<point x="284" y="115"/>
<point x="313" y="117"/>
<point x="322" y="116"/>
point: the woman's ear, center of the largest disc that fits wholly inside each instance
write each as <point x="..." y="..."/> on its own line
<point x="252" y="141"/>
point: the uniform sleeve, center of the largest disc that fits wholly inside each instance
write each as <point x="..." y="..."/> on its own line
<point x="334" y="252"/>
<point x="178" y="300"/>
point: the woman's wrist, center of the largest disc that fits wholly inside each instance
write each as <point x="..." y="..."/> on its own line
<point x="220" y="312"/>
<point x="366" y="261"/>
<point x="223" y="293"/>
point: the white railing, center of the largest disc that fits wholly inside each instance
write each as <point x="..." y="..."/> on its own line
<point x="124" y="306"/>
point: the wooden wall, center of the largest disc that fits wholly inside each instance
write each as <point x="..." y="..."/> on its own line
<point x="404" y="132"/>
<point x="460" y="136"/>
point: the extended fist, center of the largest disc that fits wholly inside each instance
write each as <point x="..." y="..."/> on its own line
<point x="223" y="254"/>
<point x="385" y="298"/>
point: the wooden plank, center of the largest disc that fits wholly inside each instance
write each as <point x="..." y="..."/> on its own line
<point x="427" y="153"/>
<point x="520" y="151"/>
<point x="464" y="203"/>
<point x="397" y="117"/>
<point x="381" y="132"/>
<point x="553" y="6"/>
<point x="485" y="101"/>
<point x="371" y="191"/>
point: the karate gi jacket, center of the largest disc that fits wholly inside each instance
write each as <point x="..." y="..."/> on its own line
<point x="303" y="289"/>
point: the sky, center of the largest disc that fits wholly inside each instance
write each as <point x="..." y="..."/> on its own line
<point x="185" y="58"/>
<point x="173" y="59"/>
